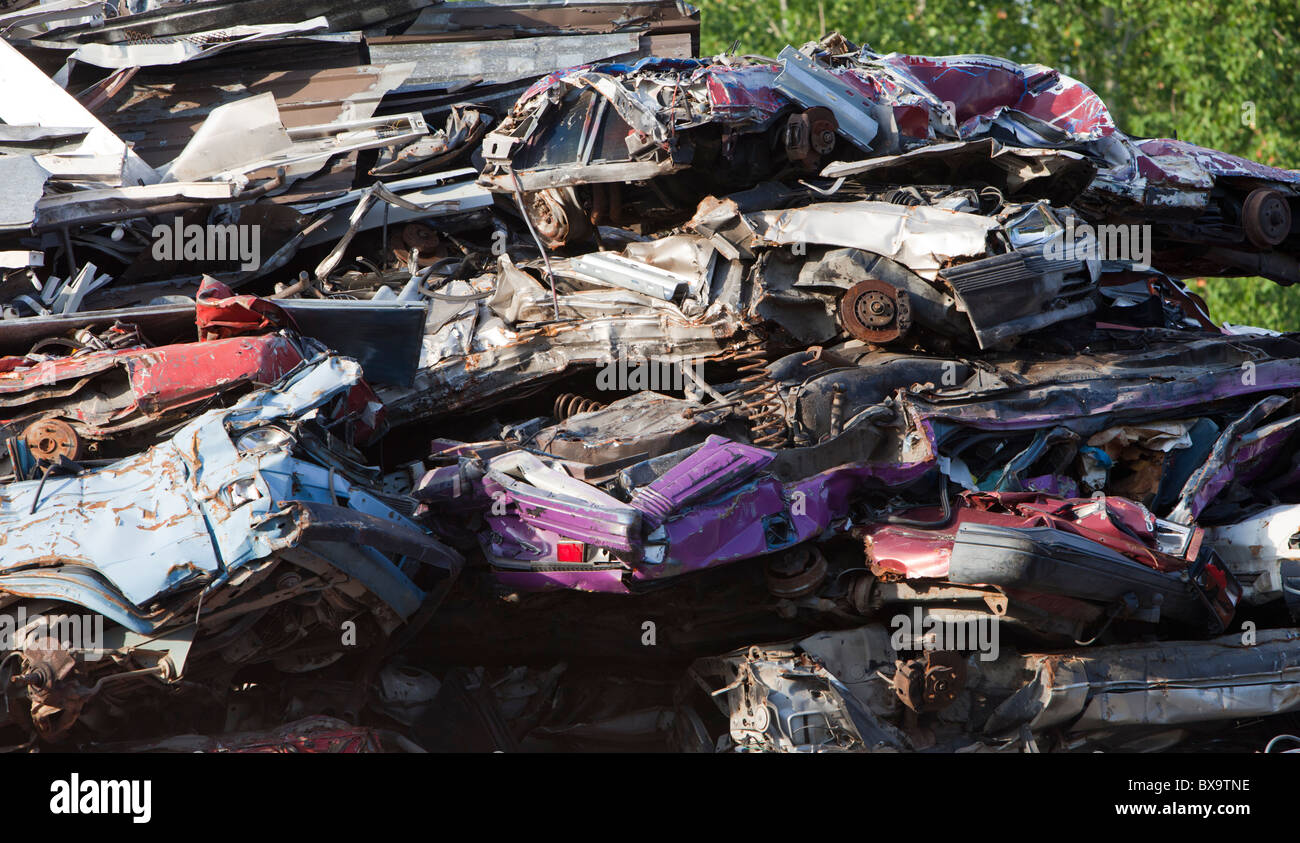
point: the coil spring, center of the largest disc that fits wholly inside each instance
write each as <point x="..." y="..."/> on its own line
<point x="760" y="401"/>
<point x="567" y="405"/>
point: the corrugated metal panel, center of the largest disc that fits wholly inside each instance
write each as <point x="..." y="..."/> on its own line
<point x="159" y="111"/>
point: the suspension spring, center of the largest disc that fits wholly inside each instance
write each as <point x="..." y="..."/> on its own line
<point x="567" y="405"/>
<point x="760" y="401"/>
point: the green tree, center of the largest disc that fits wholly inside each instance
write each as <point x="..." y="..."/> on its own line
<point x="1219" y="73"/>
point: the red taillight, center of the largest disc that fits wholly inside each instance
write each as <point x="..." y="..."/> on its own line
<point x="569" y="552"/>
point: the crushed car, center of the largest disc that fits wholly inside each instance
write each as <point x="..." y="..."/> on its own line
<point x="508" y="376"/>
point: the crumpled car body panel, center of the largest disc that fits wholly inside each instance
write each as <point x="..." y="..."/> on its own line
<point x="161" y="380"/>
<point x="1094" y="549"/>
<point x="192" y="510"/>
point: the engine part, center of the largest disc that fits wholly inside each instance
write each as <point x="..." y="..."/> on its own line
<point x="50" y="439"/>
<point x="796" y="573"/>
<point x="1266" y="217"/>
<point x="558" y="217"/>
<point x="875" y="311"/>
<point x="931" y="682"/>
<point x="809" y="136"/>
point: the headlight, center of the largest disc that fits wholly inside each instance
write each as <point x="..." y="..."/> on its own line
<point x="241" y="492"/>
<point x="262" y="440"/>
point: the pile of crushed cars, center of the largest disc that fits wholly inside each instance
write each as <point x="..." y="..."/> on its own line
<point x="416" y="376"/>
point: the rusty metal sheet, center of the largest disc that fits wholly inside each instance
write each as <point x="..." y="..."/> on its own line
<point x="159" y="112"/>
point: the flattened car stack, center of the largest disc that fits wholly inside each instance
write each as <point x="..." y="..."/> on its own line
<point x="405" y="375"/>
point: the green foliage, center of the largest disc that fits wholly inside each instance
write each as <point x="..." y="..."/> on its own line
<point x="1251" y="301"/>
<point x="1219" y="73"/>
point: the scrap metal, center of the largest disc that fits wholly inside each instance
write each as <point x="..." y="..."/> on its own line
<point x="542" y="324"/>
